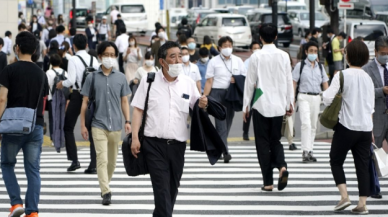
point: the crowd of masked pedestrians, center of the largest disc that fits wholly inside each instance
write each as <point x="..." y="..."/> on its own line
<point x="106" y="68"/>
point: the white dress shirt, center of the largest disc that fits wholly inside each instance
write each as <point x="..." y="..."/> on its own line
<point x="76" y="68"/>
<point x="381" y="70"/>
<point x="122" y="42"/>
<point x="41" y="20"/>
<point x="113" y="15"/>
<point x="221" y="70"/>
<point x="7" y="45"/>
<point x="50" y="78"/>
<point x="93" y="32"/>
<point x="168" y="109"/>
<point x="192" y="71"/>
<point x="358" y="99"/>
<point x="246" y="63"/>
<point x="60" y="39"/>
<point x="270" y="70"/>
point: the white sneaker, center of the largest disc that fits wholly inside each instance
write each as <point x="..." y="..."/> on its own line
<point x="52" y="144"/>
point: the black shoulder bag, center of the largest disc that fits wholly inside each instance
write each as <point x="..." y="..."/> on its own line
<point x="137" y="166"/>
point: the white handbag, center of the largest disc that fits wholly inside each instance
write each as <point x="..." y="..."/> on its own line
<point x="380" y="157"/>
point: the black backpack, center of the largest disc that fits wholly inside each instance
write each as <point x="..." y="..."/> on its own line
<point x="88" y="69"/>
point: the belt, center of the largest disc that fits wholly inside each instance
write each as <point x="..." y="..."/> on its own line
<point x="313" y="94"/>
<point x="167" y="141"/>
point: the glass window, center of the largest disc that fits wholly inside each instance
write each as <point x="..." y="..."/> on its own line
<point x="354" y="13"/>
<point x="282" y="19"/>
<point x="244" y="11"/>
<point x="368" y="12"/>
<point x="253" y="2"/>
<point x="369" y="32"/>
<point x="221" y="2"/>
<point x="81" y="13"/>
<point x="132" y="9"/>
<point x="212" y="21"/>
<point x="204" y="22"/>
<point x="379" y="8"/>
<point x="234" y="21"/>
<point x="306" y="16"/>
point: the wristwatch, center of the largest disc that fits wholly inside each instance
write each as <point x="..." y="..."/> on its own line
<point x="127" y="122"/>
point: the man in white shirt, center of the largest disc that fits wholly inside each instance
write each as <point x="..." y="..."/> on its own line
<point x="7" y="48"/>
<point x="190" y="69"/>
<point x="60" y="38"/>
<point x="113" y="14"/>
<point x="41" y="19"/>
<point x="122" y="44"/>
<point x="270" y="70"/>
<point x="165" y="134"/>
<point x="219" y="75"/>
<point x="75" y="75"/>
<point x="103" y="30"/>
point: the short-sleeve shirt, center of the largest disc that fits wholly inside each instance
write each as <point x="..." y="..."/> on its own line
<point x="311" y="79"/>
<point x="109" y="90"/>
<point x="103" y="28"/>
<point x="192" y="71"/>
<point x="195" y="57"/>
<point x="222" y="70"/>
<point x="168" y="106"/>
<point x="24" y="86"/>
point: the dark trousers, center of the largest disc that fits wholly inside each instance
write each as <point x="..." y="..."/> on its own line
<point x="121" y="62"/>
<point x="359" y="142"/>
<point x="270" y="151"/>
<point x="223" y="127"/>
<point x="165" y="163"/>
<point x="72" y="113"/>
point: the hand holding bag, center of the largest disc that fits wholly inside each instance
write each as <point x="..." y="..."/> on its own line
<point x="137" y="166"/>
<point x="20" y="120"/>
<point x="329" y="117"/>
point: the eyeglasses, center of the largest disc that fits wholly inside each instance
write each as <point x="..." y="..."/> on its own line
<point x="109" y="55"/>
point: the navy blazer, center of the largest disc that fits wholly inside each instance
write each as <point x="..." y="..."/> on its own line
<point x="235" y="94"/>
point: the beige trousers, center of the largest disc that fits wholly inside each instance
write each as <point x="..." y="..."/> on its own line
<point x="106" y="144"/>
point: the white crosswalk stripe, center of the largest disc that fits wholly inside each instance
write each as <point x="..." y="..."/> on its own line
<point x="221" y="190"/>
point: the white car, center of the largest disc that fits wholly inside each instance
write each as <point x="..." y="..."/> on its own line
<point x="369" y="30"/>
<point x="285" y="6"/>
<point x="219" y="25"/>
<point x="300" y="21"/>
<point x="133" y="15"/>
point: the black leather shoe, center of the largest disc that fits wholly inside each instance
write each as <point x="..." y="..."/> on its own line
<point x="91" y="171"/>
<point x="106" y="199"/>
<point x="292" y="147"/>
<point x="227" y="158"/>
<point x="245" y="137"/>
<point x="377" y="196"/>
<point x="74" y="166"/>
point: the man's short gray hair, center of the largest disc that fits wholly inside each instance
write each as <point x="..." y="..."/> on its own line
<point x="381" y="42"/>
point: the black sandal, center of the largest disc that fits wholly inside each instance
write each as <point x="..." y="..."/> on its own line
<point x="282" y="184"/>
<point x="264" y="189"/>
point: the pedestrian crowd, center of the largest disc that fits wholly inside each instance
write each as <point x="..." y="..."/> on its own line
<point x="90" y="76"/>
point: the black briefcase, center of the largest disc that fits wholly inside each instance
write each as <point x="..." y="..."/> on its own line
<point x="133" y="166"/>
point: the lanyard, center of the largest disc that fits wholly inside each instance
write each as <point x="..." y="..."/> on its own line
<point x="231" y="64"/>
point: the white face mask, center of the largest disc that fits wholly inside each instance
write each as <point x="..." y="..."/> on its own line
<point x="161" y="35"/>
<point x="227" y="51"/>
<point x="174" y="69"/>
<point x="149" y="63"/>
<point x="108" y="62"/>
<point x="204" y="60"/>
<point x="185" y="58"/>
<point x="254" y="51"/>
<point x="132" y="43"/>
<point x="90" y="25"/>
<point x="39" y="13"/>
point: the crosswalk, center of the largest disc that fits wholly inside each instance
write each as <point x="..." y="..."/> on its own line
<point x="222" y="190"/>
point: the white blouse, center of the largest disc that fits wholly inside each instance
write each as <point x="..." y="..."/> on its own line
<point x="133" y="57"/>
<point x="358" y="99"/>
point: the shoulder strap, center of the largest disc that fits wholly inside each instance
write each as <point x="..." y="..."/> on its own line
<point x="92" y="92"/>
<point x="82" y="60"/>
<point x="91" y="61"/>
<point x="149" y="80"/>
<point x="341" y="81"/>
<point x="302" y="63"/>
<point x="41" y="90"/>
<point x="55" y="71"/>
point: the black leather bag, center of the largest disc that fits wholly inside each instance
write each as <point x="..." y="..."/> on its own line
<point x="137" y="166"/>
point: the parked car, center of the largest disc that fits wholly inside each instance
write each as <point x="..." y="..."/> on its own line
<point x="300" y="21"/>
<point x="195" y="17"/>
<point x="382" y="16"/>
<point x="369" y="30"/>
<point x="285" y="35"/>
<point x="218" y="25"/>
<point x="81" y="15"/>
<point x="133" y="15"/>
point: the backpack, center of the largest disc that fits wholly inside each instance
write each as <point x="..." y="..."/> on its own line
<point x="302" y="63"/>
<point x="120" y="24"/>
<point x="60" y="77"/>
<point x="186" y="30"/>
<point x="88" y="69"/>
